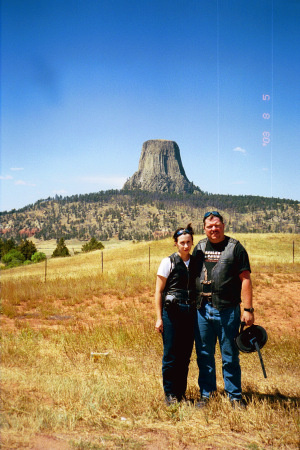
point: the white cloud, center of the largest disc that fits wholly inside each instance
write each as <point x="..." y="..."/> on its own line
<point x="6" y="177"/>
<point x="240" y="149"/>
<point x="17" y="168"/>
<point x="24" y="183"/>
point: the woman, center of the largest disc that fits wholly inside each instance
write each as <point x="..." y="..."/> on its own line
<point x="176" y="312"/>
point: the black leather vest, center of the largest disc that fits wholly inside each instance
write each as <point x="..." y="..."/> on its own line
<point x="225" y="287"/>
<point x="181" y="280"/>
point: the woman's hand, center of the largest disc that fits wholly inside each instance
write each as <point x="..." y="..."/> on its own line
<point x="159" y="326"/>
<point x="160" y="286"/>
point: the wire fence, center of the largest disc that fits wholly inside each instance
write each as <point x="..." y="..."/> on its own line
<point x="149" y="259"/>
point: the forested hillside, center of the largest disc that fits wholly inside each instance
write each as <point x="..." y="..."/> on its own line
<point x="145" y="215"/>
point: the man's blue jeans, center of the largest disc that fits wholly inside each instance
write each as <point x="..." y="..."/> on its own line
<point x="223" y="325"/>
<point x="178" y="340"/>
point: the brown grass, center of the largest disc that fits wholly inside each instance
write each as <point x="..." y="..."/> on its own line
<point x="55" y="396"/>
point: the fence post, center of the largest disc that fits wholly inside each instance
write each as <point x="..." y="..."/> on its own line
<point x="45" y="269"/>
<point x="293" y="251"/>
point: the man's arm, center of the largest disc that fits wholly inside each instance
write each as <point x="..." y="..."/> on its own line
<point x="160" y="285"/>
<point x="245" y="278"/>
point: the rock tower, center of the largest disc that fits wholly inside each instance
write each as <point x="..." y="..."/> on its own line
<point x="160" y="169"/>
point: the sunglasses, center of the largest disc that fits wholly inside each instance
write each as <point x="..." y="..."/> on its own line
<point x="212" y="213"/>
<point x="180" y="232"/>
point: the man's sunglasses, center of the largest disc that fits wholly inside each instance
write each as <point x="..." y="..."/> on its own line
<point x="212" y="213"/>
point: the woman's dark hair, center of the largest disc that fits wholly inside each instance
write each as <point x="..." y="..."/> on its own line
<point x="187" y="230"/>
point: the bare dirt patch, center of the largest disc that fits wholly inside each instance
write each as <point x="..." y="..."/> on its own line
<point x="44" y="442"/>
<point x="92" y="311"/>
<point x="276" y="302"/>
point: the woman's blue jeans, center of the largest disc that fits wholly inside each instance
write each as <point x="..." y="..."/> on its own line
<point x="178" y="340"/>
<point x="223" y="325"/>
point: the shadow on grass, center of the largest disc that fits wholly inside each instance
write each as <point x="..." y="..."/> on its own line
<point x="273" y="399"/>
<point x="250" y="396"/>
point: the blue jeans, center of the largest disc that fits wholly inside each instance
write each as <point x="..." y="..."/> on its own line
<point x="178" y="340"/>
<point x="224" y="325"/>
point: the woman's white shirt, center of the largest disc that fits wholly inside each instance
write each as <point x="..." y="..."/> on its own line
<point x="164" y="269"/>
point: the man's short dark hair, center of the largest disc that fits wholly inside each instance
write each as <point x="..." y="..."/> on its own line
<point x="210" y="214"/>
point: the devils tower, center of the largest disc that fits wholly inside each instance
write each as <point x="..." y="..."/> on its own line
<point x="160" y="169"/>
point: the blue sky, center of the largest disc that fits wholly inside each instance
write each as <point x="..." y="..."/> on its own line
<point x="85" y="82"/>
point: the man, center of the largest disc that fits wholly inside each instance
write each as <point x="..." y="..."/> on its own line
<point x="224" y="274"/>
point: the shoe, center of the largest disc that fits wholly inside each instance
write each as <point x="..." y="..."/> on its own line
<point x="202" y="403"/>
<point x="170" y="400"/>
<point x="237" y="404"/>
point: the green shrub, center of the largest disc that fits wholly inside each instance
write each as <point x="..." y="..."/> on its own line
<point x="13" y="258"/>
<point x="93" y="244"/>
<point x="38" y="257"/>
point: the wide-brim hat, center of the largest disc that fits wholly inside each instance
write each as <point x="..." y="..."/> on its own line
<point x="247" y="338"/>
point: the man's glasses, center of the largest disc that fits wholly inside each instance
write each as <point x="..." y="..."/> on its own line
<point x="212" y="213"/>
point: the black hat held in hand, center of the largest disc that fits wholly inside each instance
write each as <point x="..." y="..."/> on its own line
<point x="251" y="339"/>
<point x="247" y="338"/>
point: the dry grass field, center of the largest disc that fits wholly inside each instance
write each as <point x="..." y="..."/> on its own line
<point x="55" y="395"/>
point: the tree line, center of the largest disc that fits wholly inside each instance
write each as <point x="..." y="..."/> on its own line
<point x="24" y="253"/>
<point x="143" y="215"/>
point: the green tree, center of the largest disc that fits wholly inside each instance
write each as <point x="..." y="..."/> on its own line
<point x="13" y="258"/>
<point x="6" y="246"/>
<point x="93" y="244"/>
<point x="27" y="248"/>
<point x="61" y="249"/>
<point x="38" y="257"/>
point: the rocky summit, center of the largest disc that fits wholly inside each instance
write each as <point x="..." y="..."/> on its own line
<point x="160" y="169"/>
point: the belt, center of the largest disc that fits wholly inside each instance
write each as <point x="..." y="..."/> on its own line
<point x="206" y="297"/>
<point x="168" y="303"/>
<point x="186" y="302"/>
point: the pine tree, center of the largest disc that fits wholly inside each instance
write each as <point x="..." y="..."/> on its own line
<point x="27" y="248"/>
<point x="93" y="244"/>
<point x="61" y="249"/>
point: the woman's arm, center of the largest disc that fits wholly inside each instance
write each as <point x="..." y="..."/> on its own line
<point x="160" y="285"/>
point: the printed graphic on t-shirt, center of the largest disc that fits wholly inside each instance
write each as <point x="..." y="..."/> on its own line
<point x="212" y="256"/>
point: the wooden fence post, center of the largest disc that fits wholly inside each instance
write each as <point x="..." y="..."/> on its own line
<point x="293" y="251"/>
<point x="45" y="269"/>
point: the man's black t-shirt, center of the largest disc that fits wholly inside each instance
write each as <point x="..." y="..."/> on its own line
<point x="213" y="254"/>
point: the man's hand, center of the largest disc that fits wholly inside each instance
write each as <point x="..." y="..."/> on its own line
<point x="159" y="326"/>
<point x="248" y="318"/>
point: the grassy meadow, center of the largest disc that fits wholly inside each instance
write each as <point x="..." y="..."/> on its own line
<point x="56" y="395"/>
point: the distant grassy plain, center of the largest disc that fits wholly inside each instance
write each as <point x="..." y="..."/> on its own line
<point x="53" y="389"/>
